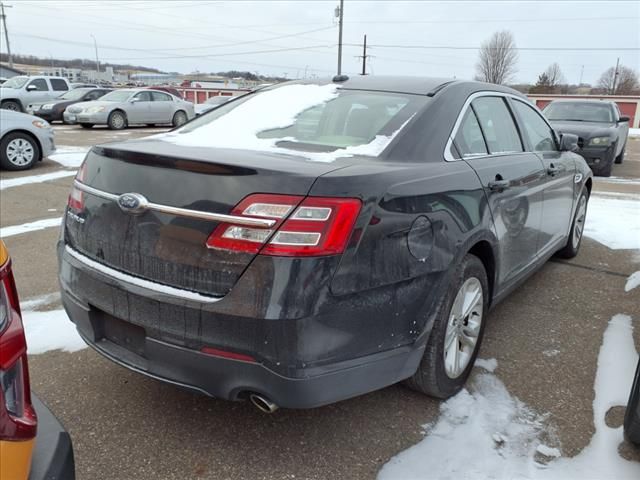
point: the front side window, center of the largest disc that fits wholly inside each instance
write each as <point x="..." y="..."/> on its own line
<point x="143" y="97"/>
<point x="160" y="97"/>
<point x="497" y="124"/>
<point x="469" y="140"/>
<point x="539" y="133"/>
<point x="40" y="84"/>
<point x="59" y="85"/>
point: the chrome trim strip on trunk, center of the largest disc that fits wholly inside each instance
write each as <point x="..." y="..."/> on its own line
<point x="184" y="212"/>
<point x="140" y="282"/>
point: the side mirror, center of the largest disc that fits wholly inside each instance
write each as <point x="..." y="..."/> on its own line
<point x="623" y="119"/>
<point x="31" y="88"/>
<point x="568" y="142"/>
<point x="135" y="100"/>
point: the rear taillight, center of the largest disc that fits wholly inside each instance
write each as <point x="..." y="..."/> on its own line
<point x="76" y="197"/>
<point x="311" y="226"/>
<point x="17" y="416"/>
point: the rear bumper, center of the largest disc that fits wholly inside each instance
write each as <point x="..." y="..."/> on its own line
<point x="53" y="453"/>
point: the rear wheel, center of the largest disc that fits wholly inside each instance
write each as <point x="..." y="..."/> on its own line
<point x="117" y="120"/>
<point x="11" y="105"/>
<point x="179" y="118"/>
<point x="457" y="333"/>
<point x="572" y="247"/>
<point x="86" y="125"/>
<point x="18" y="151"/>
<point x="632" y="416"/>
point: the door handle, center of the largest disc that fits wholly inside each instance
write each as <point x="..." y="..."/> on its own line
<point x="552" y="170"/>
<point x="498" y="185"/>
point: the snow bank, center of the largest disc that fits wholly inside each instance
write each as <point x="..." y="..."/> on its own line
<point x="485" y="433"/>
<point x="45" y="177"/>
<point x="69" y="157"/>
<point x="29" y="227"/>
<point x="272" y="109"/>
<point x="613" y="222"/>
<point x="632" y="282"/>
<point x="634" y="132"/>
<point x="489" y="364"/>
<point x="50" y="330"/>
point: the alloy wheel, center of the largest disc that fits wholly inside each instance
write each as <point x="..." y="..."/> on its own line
<point x="463" y="327"/>
<point x="20" y="152"/>
<point x="578" y="226"/>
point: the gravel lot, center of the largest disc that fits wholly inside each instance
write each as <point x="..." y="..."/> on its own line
<point x="126" y="426"/>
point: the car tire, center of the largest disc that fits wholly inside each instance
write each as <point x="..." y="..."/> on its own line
<point x="117" y="120"/>
<point x="439" y="374"/>
<point x="620" y="158"/>
<point x="18" y="151"/>
<point x="11" y="105"/>
<point x="576" y="233"/>
<point x="86" y="125"/>
<point x="179" y="119"/>
<point x="632" y="416"/>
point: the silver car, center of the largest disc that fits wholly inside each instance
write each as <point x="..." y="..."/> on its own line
<point x="24" y="140"/>
<point x="129" y="106"/>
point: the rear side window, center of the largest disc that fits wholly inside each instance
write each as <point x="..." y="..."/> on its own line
<point x="40" y="84"/>
<point x="536" y="129"/>
<point x="160" y="97"/>
<point x="497" y="124"/>
<point x="59" y="85"/>
<point x="469" y="140"/>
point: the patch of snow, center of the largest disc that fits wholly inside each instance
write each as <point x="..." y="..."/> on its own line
<point x="69" y="157"/>
<point x="489" y="364"/>
<point x="30" y="227"/>
<point x="278" y="108"/>
<point x="50" y="330"/>
<point x="634" y="132"/>
<point x="613" y="222"/>
<point x="485" y="433"/>
<point x="45" y="177"/>
<point x="34" y="303"/>
<point x="550" y="353"/>
<point x="632" y="282"/>
<point x="631" y="181"/>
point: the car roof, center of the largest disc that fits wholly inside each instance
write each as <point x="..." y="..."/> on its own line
<point x="585" y="100"/>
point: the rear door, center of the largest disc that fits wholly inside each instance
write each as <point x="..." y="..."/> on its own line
<point x="513" y="180"/>
<point x="559" y="167"/>
<point x="162" y="107"/>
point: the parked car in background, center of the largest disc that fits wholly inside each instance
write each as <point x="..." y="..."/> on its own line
<point x="601" y="129"/>
<point x="33" y="443"/>
<point x="24" y="140"/>
<point x="632" y="415"/>
<point x="19" y="92"/>
<point x="84" y="85"/>
<point x="121" y="108"/>
<point x="210" y="104"/>
<point x="53" y="111"/>
<point x="167" y="88"/>
<point x="314" y="241"/>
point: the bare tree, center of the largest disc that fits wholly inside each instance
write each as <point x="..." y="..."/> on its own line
<point x="498" y="58"/>
<point x="625" y="83"/>
<point x="554" y="75"/>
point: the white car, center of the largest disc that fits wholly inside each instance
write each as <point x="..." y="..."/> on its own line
<point x="128" y="106"/>
<point x="24" y="140"/>
<point x="18" y="93"/>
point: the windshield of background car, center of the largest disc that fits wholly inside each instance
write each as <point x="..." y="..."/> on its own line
<point x="303" y="117"/>
<point x="117" y="96"/>
<point x="15" y="82"/>
<point x="585" y="112"/>
<point x="73" y="95"/>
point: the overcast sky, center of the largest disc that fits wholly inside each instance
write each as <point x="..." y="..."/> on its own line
<point x="297" y="36"/>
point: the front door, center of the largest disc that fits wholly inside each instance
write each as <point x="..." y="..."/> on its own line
<point x="139" y="111"/>
<point x="37" y="91"/>
<point x="559" y="168"/>
<point x="513" y="181"/>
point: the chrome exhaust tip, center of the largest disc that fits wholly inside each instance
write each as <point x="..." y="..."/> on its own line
<point x="263" y="404"/>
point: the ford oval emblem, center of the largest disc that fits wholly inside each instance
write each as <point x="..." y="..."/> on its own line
<point x="133" y="203"/>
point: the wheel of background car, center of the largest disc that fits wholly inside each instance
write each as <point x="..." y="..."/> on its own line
<point x="620" y="158"/>
<point x="179" y="118"/>
<point x="86" y="125"/>
<point x="117" y="120"/>
<point x="457" y="332"/>
<point x="11" y="105"/>
<point x="572" y="246"/>
<point x="632" y="415"/>
<point x="18" y="151"/>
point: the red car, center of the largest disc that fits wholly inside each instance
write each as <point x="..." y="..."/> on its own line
<point x="167" y="88"/>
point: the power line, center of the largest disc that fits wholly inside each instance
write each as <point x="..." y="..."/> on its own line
<point x="452" y="47"/>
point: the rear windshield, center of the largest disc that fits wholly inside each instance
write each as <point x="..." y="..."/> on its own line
<point x="579" y="112"/>
<point x="305" y="118"/>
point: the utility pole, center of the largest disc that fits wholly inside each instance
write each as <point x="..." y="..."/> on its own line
<point x="581" y="74"/>
<point x="615" y="77"/>
<point x="6" y="32"/>
<point x="339" y="14"/>
<point x="95" y="44"/>
<point x="364" y="56"/>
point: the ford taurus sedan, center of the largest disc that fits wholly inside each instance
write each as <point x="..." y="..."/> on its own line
<point x="310" y="242"/>
<point x="125" y="107"/>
